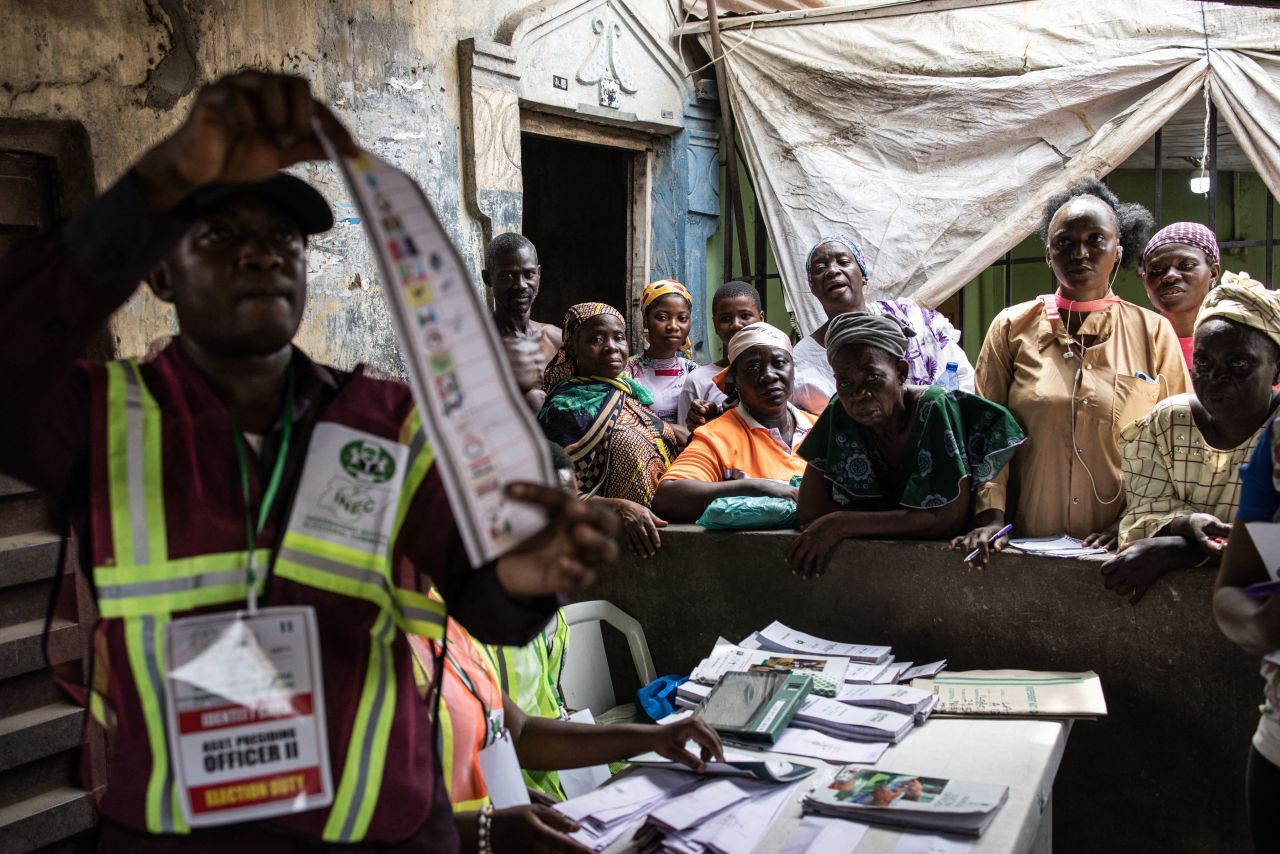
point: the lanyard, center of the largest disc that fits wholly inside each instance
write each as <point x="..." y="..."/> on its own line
<point x="251" y="531"/>
<point x="492" y="729"/>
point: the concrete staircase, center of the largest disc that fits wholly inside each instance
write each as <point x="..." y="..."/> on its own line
<point x="42" y="806"/>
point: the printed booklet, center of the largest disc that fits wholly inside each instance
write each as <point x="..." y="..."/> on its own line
<point x="908" y="801"/>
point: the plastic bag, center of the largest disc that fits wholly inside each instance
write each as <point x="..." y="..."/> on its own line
<point x="658" y="698"/>
<point x="748" y="513"/>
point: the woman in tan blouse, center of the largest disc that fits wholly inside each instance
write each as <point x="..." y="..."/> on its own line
<point x="1074" y="368"/>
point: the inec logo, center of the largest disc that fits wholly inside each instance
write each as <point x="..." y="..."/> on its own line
<point x="367" y="462"/>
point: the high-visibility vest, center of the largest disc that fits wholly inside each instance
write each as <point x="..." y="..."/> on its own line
<point x="139" y="450"/>
<point x="467" y="714"/>
<point x="530" y="676"/>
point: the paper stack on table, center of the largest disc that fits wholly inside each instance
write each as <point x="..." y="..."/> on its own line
<point x="852" y="722"/>
<point x="909" y="801"/>
<point x="827" y="671"/>
<point x="777" y="637"/>
<point x="1018" y="693"/>
<point x="896" y="698"/>
<point x="1060" y="546"/>
<point x="737" y="763"/>
<point x="679" y="812"/>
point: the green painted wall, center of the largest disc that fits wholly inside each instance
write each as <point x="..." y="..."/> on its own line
<point x="1242" y="211"/>
<point x="1241" y="215"/>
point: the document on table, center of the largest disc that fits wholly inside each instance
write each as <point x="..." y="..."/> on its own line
<point x="1025" y="693"/>
<point x="838" y="751"/>
<point x="1060" y="546"/>
<point x="739" y="829"/>
<point x="925" y="843"/>
<point x="781" y="638"/>
<point x="692" y="807"/>
<point x="817" y="834"/>
<point x="472" y="411"/>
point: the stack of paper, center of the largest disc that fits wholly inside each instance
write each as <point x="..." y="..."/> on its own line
<point x="737" y="763"/>
<point x="735" y="829"/>
<point x="777" y="637"/>
<point x="909" y="801"/>
<point x="1061" y="546"/>
<point x="853" y="722"/>
<point x="896" y="698"/>
<point x="1021" y="693"/>
<point x="827" y="671"/>
<point x="795" y="741"/>
<point x="620" y="807"/>
<point x="865" y="674"/>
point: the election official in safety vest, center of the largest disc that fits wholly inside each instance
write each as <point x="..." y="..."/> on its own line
<point x="258" y="530"/>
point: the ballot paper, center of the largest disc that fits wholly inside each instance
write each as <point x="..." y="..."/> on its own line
<point x="922" y="670"/>
<point x="694" y="806"/>
<point x="909" y="800"/>
<point x="896" y="698"/>
<point x="1020" y="693"/>
<point x="780" y="638"/>
<point x="827" y="671"/>
<point x="865" y="673"/>
<point x="739" y="829"/>
<point x="1060" y="546"/>
<point x="928" y="843"/>
<point x="472" y="411"/>
<point x="853" y="722"/>
<point x="818" y="834"/>
<point x="812" y="744"/>
<point x="737" y="762"/>
<point x="892" y="673"/>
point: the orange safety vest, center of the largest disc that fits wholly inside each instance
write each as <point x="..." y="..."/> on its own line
<point x="471" y="710"/>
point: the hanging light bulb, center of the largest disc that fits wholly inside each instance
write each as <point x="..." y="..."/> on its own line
<point x="1200" y="183"/>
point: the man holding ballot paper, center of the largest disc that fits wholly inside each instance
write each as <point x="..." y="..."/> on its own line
<point x="259" y="530"/>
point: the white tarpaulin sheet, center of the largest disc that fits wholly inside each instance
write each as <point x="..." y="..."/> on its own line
<point x="934" y="138"/>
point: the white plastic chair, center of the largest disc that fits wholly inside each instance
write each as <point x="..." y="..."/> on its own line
<point x="585" y="680"/>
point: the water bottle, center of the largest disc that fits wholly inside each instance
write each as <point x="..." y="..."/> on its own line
<point x="950" y="379"/>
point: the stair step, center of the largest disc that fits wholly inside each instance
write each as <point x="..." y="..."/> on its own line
<point x="29" y="691"/>
<point x="39" y="732"/>
<point x="46" y="818"/>
<point x="24" y="513"/>
<point x="13" y="486"/>
<point x="28" y="557"/>
<point x="20" y="646"/>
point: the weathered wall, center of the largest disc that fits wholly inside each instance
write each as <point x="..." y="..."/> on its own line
<point x="1163" y="772"/>
<point x="389" y="68"/>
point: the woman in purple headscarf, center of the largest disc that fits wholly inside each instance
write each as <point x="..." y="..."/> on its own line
<point x="1179" y="266"/>
<point x="838" y="273"/>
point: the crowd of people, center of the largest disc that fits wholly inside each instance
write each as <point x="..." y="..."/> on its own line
<point x="181" y="473"/>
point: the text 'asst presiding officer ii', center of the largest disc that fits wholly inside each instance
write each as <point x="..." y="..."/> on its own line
<point x="163" y="467"/>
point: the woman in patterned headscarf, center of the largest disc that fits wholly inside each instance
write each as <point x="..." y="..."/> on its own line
<point x="602" y="417"/>
<point x="889" y="458"/>
<point x="1182" y="460"/>
<point x="838" y="274"/>
<point x="1179" y="266"/>
<point x="667" y="308"/>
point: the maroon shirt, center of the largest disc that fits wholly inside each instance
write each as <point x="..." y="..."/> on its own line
<point x="54" y="294"/>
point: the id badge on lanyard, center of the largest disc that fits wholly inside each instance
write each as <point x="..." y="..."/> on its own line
<point x="244" y="692"/>
<point x="501" y="771"/>
<point x="245" y="705"/>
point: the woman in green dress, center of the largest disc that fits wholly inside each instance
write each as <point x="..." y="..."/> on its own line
<point x="892" y="460"/>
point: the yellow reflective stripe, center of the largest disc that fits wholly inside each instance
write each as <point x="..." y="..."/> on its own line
<point x="175" y="585"/>
<point x="372" y="561"/>
<point x="419" y="616"/>
<point x="98" y="709"/>
<point x="361" y="779"/>
<point x="153" y="468"/>
<point x="471" y="806"/>
<point x="421" y="456"/>
<point x="117" y="464"/>
<point x="144" y="640"/>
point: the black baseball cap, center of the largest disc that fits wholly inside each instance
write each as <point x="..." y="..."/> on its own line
<point x="292" y="196"/>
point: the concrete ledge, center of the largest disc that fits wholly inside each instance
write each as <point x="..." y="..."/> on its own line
<point x="1163" y="772"/>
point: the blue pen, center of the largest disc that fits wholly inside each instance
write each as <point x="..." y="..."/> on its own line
<point x="1000" y="533"/>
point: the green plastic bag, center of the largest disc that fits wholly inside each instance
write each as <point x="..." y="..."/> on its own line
<point x="748" y="513"/>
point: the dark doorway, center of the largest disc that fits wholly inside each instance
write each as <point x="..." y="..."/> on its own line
<point x="576" y="204"/>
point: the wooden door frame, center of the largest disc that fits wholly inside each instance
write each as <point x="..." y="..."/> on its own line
<point x="640" y="146"/>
